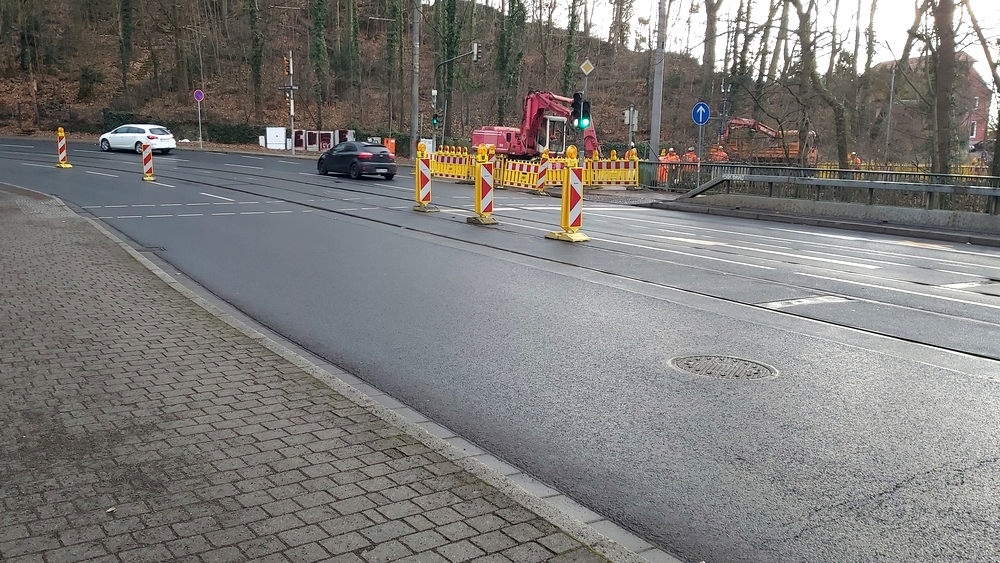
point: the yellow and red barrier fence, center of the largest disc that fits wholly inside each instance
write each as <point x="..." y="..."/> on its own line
<point x="457" y="164"/>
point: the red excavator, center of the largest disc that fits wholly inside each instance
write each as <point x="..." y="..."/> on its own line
<point x="749" y="140"/>
<point x="543" y="126"/>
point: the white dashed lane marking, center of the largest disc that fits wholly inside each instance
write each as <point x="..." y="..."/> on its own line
<point x="216" y="196"/>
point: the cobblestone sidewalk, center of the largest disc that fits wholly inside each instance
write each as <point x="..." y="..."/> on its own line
<point x="137" y="426"/>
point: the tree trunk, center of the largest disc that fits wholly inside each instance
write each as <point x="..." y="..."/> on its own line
<point x="708" y="59"/>
<point x="779" y="43"/>
<point x="317" y="55"/>
<point x="943" y="79"/>
<point x="257" y="60"/>
<point x="124" y="39"/>
<point x="570" y="61"/>
<point x="765" y="42"/>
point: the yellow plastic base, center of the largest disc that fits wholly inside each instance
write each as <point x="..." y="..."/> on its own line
<point x="425" y="208"/>
<point x="148" y="178"/>
<point x="477" y="220"/>
<point x="63" y="165"/>
<point x="568" y="237"/>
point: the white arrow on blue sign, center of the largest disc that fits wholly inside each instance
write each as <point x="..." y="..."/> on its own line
<point x="700" y="113"/>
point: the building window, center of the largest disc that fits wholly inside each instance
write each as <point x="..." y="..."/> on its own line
<point x="974" y="130"/>
<point x="975" y="102"/>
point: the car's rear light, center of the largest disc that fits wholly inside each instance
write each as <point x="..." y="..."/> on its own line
<point x="365" y="155"/>
<point x="151" y="137"/>
<point x="392" y="156"/>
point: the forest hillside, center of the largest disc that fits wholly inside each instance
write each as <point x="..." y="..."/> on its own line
<point x="88" y="65"/>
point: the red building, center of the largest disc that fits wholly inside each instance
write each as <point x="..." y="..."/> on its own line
<point x="972" y="99"/>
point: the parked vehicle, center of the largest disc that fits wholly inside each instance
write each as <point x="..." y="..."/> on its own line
<point x="357" y="158"/>
<point x="133" y="136"/>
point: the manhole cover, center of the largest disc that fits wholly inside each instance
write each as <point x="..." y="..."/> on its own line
<point x="724" y="367"/>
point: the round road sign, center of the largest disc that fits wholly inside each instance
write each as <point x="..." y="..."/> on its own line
<point x="700" y="113"/>
<point x="199" y="95"/>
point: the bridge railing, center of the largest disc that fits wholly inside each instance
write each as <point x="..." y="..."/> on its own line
<point x="955" y="192"/>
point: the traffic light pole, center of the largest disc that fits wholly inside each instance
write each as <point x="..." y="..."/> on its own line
<point x="476" y="55"/>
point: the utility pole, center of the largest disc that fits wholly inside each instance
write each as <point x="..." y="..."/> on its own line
<point x="654" y="129"/>
<point x="415" y="86"/>
<point x="291" y="99"/>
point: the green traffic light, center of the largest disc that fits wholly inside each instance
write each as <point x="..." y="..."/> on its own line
<point x="584" y="122"/>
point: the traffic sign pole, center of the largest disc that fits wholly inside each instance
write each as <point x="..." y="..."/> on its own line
<point x="198" y="97"/>
<point x="700" y="114"/>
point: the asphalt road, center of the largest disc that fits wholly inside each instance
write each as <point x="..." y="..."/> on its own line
<point x="876" y="441"/>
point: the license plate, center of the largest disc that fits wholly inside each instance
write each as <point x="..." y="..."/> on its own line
<point x="381" y="170"/>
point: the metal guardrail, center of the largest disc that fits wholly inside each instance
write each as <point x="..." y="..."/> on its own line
<point x="917" y="190"/>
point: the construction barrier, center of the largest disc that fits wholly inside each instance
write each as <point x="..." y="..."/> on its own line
<point x="484" y="190"/>
<point x="613" y="173"/>
<point x="456" y="164"/>
<point x="452" y="163"/>
<point x="571" y="215"/>
<point x="61" y="148"/>
<point x="543" y="169"/>
<point x="519" y="174"/>
<point x="422" y="191"/>
<point x="147" y="163"/>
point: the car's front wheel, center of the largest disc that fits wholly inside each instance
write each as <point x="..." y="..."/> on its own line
<point x="105" y="145"/>
<point x="321" y="168"/>
<point x="138" y="148"/>
<point x="355" y="170"/>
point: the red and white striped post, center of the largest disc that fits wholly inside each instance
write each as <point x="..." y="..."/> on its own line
<point x="543" y="170"/>
<point x="572" y="202"/>
<point x="484" y="190"/>
<point x="147" y="163"/>
<point x="422" y="192"/>
<point x="61" y="147"/>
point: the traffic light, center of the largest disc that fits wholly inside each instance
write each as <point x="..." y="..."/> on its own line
<point x="477" y="51"/>
<point x="585" y="115"/>
<point x="434" y="120"/>
<point x="288" y="67"/>
<point x="574" y="117"/>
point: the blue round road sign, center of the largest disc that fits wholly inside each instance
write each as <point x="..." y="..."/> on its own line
<point x="700" y="113"/>
<point x="199" y="95"/>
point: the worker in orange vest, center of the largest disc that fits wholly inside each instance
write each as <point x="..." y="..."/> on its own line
<point x="691" y="158"/>
<point x="855" y="161"/>
<point x="717" y="154"/>
<point x="668" y="158"/>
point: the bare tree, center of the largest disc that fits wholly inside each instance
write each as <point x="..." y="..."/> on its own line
<point x="811" y="79"/>
<point x="995" y="71"/>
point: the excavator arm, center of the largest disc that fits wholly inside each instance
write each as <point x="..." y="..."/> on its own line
<point x="747" y="123"/>
<point x="537" y="103"/>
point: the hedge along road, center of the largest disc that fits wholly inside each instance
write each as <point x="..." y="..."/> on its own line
<point x="568" y="360"/>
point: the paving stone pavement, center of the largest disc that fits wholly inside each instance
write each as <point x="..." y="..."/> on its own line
<point x="137" y="426"/>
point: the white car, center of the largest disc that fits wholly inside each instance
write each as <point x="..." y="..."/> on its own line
<point x="133" y="136"/>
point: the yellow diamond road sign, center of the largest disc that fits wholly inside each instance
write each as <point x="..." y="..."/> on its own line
<point x="587" y="67"/>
